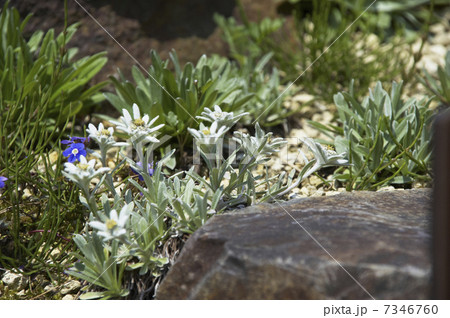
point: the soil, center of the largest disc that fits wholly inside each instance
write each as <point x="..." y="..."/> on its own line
<point x="184" y="25"/>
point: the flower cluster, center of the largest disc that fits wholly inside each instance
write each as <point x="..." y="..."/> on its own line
<point x="208" y="135"/>
<point x="227" y="119"/>
<point x="83" y="172"/>
<point x="139" y="129"/>
<point x="209" y="140"/>
<point x="163" y="206"/>
<point x="105" y="140"/>
<point x="114" y="226"/>
<point x="260" y="146"/>
<point x="101" y="135"/>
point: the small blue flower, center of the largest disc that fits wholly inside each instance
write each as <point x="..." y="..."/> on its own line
<point x="149" y="167"/>
<point x="2" y="181"/>
<point x="74" y="152"/>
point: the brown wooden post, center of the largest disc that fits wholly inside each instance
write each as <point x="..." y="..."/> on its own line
<point x="441" y="208"/>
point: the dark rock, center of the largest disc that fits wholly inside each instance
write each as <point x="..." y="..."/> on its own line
<point x="295" y="250"/>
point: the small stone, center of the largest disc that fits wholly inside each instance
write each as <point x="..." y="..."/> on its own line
<point x="53" y="157"/>
<point x="437" y="28"/>
<point x="310" y="132"/>
<point x="70" y="287"/>
<point x="315" y="181"/>
<point x="50" y="289"/>
<point x="327" y="117"/>
<point x="386" y="188"/>
<point x="308" y="190"/>
<point x="439" y="50"/>
<point x="21" y="293"/>
<point x="68" y="297"/>
<point x="55" y="253"/>
<point x="303" y="98"/>
<point x="14" y="281"/>
<point x="26" y="193"/>
<point x="319" y="193"/>
<point x="427" y="64"/>
<point x="317" y="117"/>
<point x="111" y="164"/>
<point x="442" y="39"/>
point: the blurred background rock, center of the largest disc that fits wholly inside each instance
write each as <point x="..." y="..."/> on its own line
<point x="141" y="25"/>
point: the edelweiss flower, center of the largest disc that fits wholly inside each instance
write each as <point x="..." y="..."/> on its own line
<point x="260" y="146"/>
<point x="209" y="135"/>
<point x="103" y="136"/>
<point x="83" y="172"/>
<point x="325" y="157"/>
<point x="222" y="118"/>
<point x="138" y="127"/>
<point x="114" y="227"/>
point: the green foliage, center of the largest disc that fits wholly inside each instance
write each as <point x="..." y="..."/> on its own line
<point x="178" y="96"/>
<point x="41" y="87"/>
<point x="320" y="52"/>
<point x="331" y="56"/>
<point x="162" y="206"/>
<point x="441" y="86"/>
<point x="266" y="107"/>
<point x="41" y="72"/>
<point x="387" y="139"/>
<point x="38" y="224"/>
<point x="250" y="40"/>
<point x="390" y="17"/>
<point x="99" y="265"/>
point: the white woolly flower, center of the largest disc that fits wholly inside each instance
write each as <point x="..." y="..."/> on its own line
<point x="222" y="118"/>
<point x="209" y="135"/>
<point x="137" y="127"/>
<point x="260" y="146"/>
<point x="83" y="170"/>
<point x="100" y="135"/>
<point x="325" y="157"/>
<point x="104" y="138"/>
<point x="114" y="226"/>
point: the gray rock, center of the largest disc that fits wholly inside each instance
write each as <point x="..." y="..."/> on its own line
<point x="295" y="250"/>
<point x="14" y="281"/>
<point x="70" y="287"/>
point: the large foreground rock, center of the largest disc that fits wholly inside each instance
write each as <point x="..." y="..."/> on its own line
<point x="350" y="246"/>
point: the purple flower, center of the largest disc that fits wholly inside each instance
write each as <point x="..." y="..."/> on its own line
<point x="149" y="167"/>
<point x="2" y="181"/>
<point x="74" y="152"/>
<point x="74" y="140"/>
